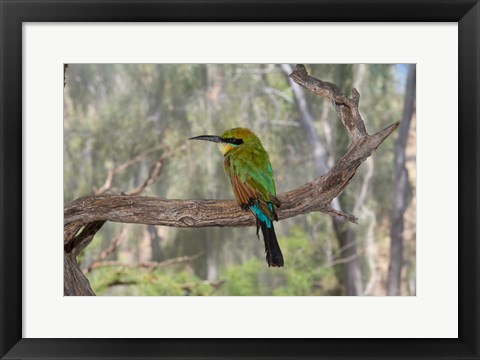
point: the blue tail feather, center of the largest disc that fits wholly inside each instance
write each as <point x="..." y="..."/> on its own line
<point x="273" y="253"/>
<point x="261" y="216"/>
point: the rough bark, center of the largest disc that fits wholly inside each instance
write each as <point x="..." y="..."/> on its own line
<point x="401" y="188"/>
<point x="83" y="217"/>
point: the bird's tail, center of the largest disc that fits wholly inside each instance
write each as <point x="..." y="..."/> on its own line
<point x="273" y="253"/>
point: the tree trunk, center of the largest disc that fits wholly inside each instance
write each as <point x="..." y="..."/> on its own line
<point x="401" y="188"/>
<point x="351" y="272"/>
<point x="154" y="243"/>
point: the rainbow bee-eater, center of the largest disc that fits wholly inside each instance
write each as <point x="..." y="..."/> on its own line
<point x="248" y="166"/>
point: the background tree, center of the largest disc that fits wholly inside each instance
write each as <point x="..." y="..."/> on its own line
<point x="401" y="188"/>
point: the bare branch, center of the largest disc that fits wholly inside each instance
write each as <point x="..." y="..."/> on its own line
<point x="343" y="260"/>
<point x="154" y="172"/>
<point x="116" y="242"/>
<point x="112" y="172"/>
<point x="345" y="107"/>
<point x="150" y="265"/>
<point x="186" y="286"/>
<point x="214" y="284"/>
<point x="337" y="213"/>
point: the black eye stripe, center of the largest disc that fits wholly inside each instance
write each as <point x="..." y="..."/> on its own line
<point x="233" y="141"/>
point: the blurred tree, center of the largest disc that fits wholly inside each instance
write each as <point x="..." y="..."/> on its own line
<point x="401" y="188"/>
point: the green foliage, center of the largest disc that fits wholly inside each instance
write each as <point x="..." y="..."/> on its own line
<point x="120" y="280"/>
<point x="243" y="279"/>
<point x="305" y="272"/>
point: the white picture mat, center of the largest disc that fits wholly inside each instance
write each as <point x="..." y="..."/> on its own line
<point x="432" y="313"/>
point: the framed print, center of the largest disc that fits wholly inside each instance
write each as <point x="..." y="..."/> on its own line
<point x="46" y="41"/>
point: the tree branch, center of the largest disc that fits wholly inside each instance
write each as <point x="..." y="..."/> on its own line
<point x="118" y="169"/>
<point x="346" y="108"/>
<point x="214" y="284"/>
<point x="154" y="172"/>
<point x="150" y="265"/>
<point x="100" y="258"/>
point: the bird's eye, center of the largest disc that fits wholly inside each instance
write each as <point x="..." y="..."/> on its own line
<point x="233" y="141"/>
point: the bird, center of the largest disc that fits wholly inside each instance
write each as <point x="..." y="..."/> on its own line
<point x="248" y="166"/>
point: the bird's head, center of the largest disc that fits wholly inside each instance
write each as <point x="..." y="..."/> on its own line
<point x="230" y="139"/>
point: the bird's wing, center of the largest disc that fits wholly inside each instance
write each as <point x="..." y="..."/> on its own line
<point x="247" y="196"/>
<point x="257" y="171"/>
<point x="254" y="184"/>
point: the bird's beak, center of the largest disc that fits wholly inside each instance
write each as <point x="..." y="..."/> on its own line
<point x="212" y="138"/>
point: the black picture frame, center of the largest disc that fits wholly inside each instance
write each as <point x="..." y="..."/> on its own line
<point x="15" y="12"/>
